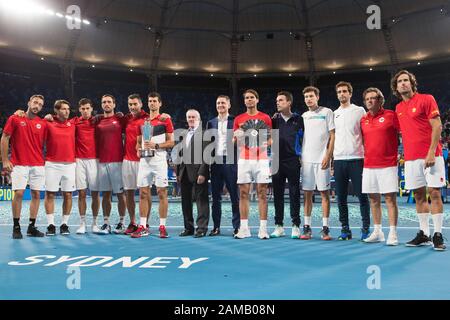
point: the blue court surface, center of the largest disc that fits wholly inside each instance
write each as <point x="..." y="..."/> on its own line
<point x="219" y="268"/>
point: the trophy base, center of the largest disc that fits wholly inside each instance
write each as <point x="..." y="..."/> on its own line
<point x="147" y="153"/>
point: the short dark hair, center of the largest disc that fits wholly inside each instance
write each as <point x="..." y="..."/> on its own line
<point x="135" y="96"/>
<point x="155" y="95"/>
<point x="253" y="92"/>
<point x="110" y="96"/>
<point x="59" y="103"/>
<point x="84" y="101"/>
<point x="287" y="94"/>
<point x="312" y="89"/>
<point x="412" y="79"/>
<point x="40" y="96"/>
<point x="345" y="84"/>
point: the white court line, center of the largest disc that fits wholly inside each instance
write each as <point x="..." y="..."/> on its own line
<point x="227" y="228"/>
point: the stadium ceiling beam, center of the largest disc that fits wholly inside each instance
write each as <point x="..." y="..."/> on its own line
<point x="159" y="37"/>
<point x="387" y="35"/>
<point x="317" y="4"/>
<point x="67" y="67"/>
<point x="234" y="55"/>
<point x="205" y="2"/>
<point x="290" y="6"/>
<point x="308" y="41"/>
<point x="313" y="31"/>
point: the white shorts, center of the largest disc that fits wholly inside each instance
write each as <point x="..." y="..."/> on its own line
<point x="257" y="171"/>
<point x="313" y="175"/>
<point x="416" y="176"/>
<point x="130" y="174"/>
<point x="60" y="175"/>
<point x="152" y="173"/>
<point x="380" y="180"/>
<point x="21" y="176"/>
<point x="87" y="174"/>
<point x="110" y="177"/>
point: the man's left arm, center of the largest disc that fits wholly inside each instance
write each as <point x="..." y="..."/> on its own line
<point x="436" y="126"/>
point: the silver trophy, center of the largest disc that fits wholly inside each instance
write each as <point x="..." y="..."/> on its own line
<point x="147" y="133"/>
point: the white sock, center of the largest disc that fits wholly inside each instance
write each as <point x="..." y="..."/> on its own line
<point x="376" y="227"/>
<point x="94" y="220"/>
<point x="424" y="223"/>
<point x="51" y="219"/>
<point x="308" y="220"/>
<point x="106" y="220"/>
<point x="65" y="219"/>
<point x="244" y="223"/>
<point x="162" y="221"/>
<point x="143" y="221"/>
<point x="82" y="220"/>
<point x="438" y="218"/>
<point x="121" y="219"/>
<point x="263" y="224"/>
<point x="393" y="229"/>
<point x="325" y="222"/>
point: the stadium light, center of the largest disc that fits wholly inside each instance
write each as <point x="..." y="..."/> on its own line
<point x="22" y="6"/>
<point x="33" y="7"/>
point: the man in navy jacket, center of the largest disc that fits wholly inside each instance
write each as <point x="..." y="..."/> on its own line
<point x="224" y="165"/>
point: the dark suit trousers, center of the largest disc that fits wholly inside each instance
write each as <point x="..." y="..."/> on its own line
<point x="345" y="170"/>
<point x="224" y="174"/>
<point x="199" y="193"/>
<point x="290" y="170"/>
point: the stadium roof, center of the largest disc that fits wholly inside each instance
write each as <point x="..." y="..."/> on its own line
<point x="227" y="37"/>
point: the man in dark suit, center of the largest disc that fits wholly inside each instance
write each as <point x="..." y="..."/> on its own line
<point x="193" y="174"/>
<point x="224" y="166"/>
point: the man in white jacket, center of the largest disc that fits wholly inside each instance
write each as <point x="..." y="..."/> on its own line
<point x="349" y="159"/>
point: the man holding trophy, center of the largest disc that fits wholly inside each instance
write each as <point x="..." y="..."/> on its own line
<point x="154" y="137"/>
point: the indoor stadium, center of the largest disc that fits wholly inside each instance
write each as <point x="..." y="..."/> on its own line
<point x="161" y="73"/>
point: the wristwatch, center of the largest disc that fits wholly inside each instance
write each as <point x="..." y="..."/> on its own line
<point x="156" y="145"/>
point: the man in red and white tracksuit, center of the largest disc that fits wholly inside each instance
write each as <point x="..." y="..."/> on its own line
<point x="154" y="170"/>
<point x="130" y="167"/>
<point x="87" y="164"/>
<point x="421" y="128"/>
<point x="27" y="136"/>
<point x="380" y="131"/>
<point x="110" y="152"/>
<point x="60" y="166"/>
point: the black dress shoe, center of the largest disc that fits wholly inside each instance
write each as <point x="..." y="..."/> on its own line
<point x="186" y="233"/>
<point x="199" y="234"/>
<point x="214" y="232"/>
<point x="235" y="231"/>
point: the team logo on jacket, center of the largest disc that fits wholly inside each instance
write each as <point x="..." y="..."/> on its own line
<point x="114" y="122"/>
<point x="381" y="120"/>
<point x="367" y="122"/>
<point x="414" y="110"/>
<point x="68" y="124"/>
<point x="38" y="126"/>
<point x="22" y="123"/>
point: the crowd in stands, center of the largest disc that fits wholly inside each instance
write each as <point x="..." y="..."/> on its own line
<point x="15" y="89"/>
